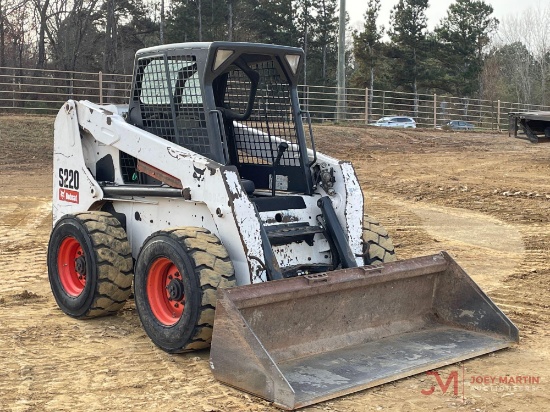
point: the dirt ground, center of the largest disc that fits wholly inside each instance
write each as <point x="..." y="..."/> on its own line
<point x="484" y="198"/>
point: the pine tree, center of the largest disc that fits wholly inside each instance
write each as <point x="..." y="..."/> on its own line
<point x="367" y="49"/>
<point x="465" y="32"/>
<point x="326" y="39"/>
<point x="306" y="24"/>
<point x="408" y="35"/>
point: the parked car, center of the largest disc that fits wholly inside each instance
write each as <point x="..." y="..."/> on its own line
<point x="396" y="121"/>
<point x="458" y="125"/>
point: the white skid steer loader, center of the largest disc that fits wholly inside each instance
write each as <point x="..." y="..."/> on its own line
<point x="203" y="193"/>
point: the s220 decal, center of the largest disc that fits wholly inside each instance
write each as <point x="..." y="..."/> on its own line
<point x="69" y="182"/>
<point x="69" y="178"/>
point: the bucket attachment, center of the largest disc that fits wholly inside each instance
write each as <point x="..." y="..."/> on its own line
<point x="308" y="339"/>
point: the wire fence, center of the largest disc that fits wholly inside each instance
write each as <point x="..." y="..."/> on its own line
<point x="428" y="110"/>
<point x="45" y="91"/>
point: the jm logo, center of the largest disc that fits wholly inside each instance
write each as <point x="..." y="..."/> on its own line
<point x="453" y="378"/>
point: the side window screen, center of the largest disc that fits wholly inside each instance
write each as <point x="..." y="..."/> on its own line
<point x="170" y="96"/>
<point x="183" y="80"/>
<point x="153" y="83"/>
<point x="190" y="92"/>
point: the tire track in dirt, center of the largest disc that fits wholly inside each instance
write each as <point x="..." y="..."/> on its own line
<point x="524" y="294"/>
<point x="517" y="263"/>
<point x="464" y="234"/>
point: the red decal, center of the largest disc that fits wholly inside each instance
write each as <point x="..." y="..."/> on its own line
<point x="70" y="196"/>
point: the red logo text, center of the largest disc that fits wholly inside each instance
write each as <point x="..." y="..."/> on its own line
<point x="70" y="196"/>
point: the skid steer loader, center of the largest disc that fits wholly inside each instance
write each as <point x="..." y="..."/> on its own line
<point x="207" y="193"/>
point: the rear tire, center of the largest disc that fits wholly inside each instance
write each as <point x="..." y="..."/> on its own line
<point x="89" y="264"/>
<point x="377" y="245"/>
<point x="177" y="274"/>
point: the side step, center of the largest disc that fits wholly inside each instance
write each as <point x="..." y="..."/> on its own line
<point x="292" y="232"/>
<point x="308" y="339"/>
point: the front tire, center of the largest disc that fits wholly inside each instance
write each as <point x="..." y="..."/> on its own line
<point x="89" y="264"/>
<point x="177" y="274"/>
<point x="377" y="245"/>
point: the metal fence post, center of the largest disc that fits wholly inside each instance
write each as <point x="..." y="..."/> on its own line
<point x="367" y="105"/>
<point x="498" y="115"/>
<point x="384" y="104"/>
<point x="100" y="87"/>
<point x="435" y="110"/>
<point x="71" y="86"/>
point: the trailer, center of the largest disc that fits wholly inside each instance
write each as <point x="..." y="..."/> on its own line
<point x="534" y="125"/>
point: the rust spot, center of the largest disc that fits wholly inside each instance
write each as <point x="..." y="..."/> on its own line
<point x="158" y="174"/>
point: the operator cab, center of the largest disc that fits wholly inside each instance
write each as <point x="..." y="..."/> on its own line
<point x="234" y="103"/>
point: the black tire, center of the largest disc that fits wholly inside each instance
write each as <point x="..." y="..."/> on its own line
<point x="89" y="264"/>
<point x="176" y="277"/>
<point x="377" y="244"/>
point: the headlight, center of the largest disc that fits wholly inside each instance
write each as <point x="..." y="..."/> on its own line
<point x="221" y="57"/>
<point x="293" y="61"/>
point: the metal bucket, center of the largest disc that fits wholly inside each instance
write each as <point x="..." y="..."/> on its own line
<point x="308" y="339"/>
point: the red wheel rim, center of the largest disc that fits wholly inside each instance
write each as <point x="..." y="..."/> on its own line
<point x="165" y="291"/>
<point x="71" y="266"/>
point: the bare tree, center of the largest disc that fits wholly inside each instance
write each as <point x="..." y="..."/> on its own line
<point x="2" y="35"/>
<point x="20" y="39"/>
<point x="15" y="22"/>
<point x="541" y="45"/>
<point x="71" y="22"/>
<point x="199" y="15"/>
<point x="529" y="63"/>
<point x="162" y="23"/>
<point x="109" y="54"/>
<point x="230" y="20"/>
<point x="42" y="9"/>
